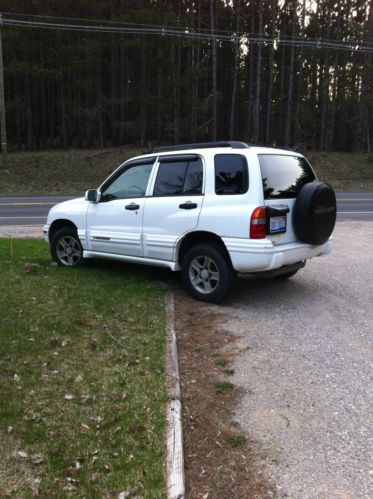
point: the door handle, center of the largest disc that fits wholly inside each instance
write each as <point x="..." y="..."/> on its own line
<point x="132" y="206"/>
<point x="188" y="205"/>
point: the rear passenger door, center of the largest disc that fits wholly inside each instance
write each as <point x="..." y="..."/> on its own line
<point x="174" y="205"/>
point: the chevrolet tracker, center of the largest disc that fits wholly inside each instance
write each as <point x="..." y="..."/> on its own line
<point x="209" y="210"/>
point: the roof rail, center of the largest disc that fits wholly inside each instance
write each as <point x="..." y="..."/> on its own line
<point x="201" y="145"/>
<point x="284" y="148"/>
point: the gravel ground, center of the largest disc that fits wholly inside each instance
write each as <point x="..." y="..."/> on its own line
<point x="306" y="369"/>
<point x="34" y="231"/>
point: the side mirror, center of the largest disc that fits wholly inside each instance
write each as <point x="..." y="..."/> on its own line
<point x="92" y="195"/>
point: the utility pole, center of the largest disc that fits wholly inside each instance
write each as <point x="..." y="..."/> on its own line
<point x="2" y="101"/>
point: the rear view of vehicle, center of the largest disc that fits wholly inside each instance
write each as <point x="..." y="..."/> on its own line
<point x="290" y="188"/>
<point x="270" y="213"/>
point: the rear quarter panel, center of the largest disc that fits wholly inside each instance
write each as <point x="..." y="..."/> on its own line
<point x="229" y="215"/>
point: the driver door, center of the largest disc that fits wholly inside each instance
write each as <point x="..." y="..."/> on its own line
<point x="114" y="225"/>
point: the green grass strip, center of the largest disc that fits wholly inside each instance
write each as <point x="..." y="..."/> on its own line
<point x="82" y="381"/>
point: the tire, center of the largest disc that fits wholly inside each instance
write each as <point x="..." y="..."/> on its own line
<point x="66" y="248"/>
<point x="207" y="273"/>
<point x="314" y="213"/>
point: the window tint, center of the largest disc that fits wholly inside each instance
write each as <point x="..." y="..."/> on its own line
<point x="179" y="177"/>
<point x="231" y="176"/>
<point x="131" y="183"/>
<point x="284" y="176"/>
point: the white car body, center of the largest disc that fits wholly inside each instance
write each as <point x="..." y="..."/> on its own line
<point x="153" y="233"/>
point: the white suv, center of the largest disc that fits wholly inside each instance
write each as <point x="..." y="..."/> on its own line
<point x="209" y="210"/>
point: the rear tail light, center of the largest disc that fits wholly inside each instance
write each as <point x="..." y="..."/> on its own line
<point x="258" y="223"/>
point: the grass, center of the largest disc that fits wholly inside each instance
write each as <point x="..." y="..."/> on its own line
<point x="73" y="172"/>
<point x="219" y="361"/>
<point x="82" y="378"/>
<point x="236" y="440"/>
<point x="344" y="171"/>
<point x="60" y="172"/>
<point x="224" y="385"/>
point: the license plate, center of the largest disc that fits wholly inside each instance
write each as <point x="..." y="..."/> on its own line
<point x="277" y="224"/>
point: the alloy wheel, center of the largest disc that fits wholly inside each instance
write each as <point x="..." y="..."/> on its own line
<point x="204" y="274"/>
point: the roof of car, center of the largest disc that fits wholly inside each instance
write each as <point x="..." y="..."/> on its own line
<point x="221" y="146"/>
<point x="275" y="150"/>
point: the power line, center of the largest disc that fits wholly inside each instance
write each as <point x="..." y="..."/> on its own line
<point x="149" y="30"/>
<point x="235" y="34"/>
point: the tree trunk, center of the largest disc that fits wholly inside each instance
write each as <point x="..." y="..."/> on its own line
<point x="291" y="78"/>
<point x="159" y="97"/>
<point x="63" y="113"/>
<point x="268" y="136"/>
<point x="280" y="125"/>
<point x="175" y="94"/>
<point x="250" y="100"/>
<point x="235" y="70"/>
<point x="124" y="91"/>
<point x="214" y="71"/>
<point x="324" y="86"/>
<point x="365" y="107"/>
<point x="143" y="93"/>
<point x="196" y="59"/>
<point x="335" y="79"/>
<point x="258" y="79"/>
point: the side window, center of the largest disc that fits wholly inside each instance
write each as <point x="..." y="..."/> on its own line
<point x="130" y="183"/>
<point x="231" y="175"/>
<point x="179" y="177"/>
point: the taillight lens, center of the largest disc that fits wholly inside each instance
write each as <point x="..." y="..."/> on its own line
<point x="258" y="223"/>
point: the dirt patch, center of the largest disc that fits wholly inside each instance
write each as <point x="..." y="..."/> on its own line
<point x="220" y="460"/>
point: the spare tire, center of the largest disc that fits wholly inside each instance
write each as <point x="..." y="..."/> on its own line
<point x="314" y="213"/>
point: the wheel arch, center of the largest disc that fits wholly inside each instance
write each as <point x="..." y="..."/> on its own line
<point x="199" y="237"/>
<point x="59" y="224"/>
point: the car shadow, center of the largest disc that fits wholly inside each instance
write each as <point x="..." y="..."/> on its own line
<point x="247" y="291"/>
<point x="133" y="270"/>
<point x="264" y="291"/>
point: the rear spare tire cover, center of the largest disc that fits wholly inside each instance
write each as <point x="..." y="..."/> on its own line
<point x="314" y="213"/>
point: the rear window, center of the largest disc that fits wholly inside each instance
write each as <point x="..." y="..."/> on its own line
<point x="284" y="176"/>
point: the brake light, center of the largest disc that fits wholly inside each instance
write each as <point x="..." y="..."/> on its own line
<point x="258" y="223"/>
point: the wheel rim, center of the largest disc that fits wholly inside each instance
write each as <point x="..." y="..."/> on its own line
<point x="204" y="274"/>
<point x="68" y="250"/>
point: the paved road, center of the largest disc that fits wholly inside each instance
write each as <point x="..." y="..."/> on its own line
<point x="27" y="210"/>
<point x="355" y="206"/>
<point x="33" y="210"/>
<point x="305" y="364"/>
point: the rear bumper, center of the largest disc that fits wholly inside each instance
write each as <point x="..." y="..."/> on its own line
<point x="262" y="255"/>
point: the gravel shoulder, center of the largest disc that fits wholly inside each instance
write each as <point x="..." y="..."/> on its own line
<point x="305" y="369"/>
<point x="22" y="231"/>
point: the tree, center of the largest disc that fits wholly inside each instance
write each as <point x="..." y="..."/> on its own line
<point x="82" y="89"/>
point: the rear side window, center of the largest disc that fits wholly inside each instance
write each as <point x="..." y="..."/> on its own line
<point x="179" y="177"/>
<point x="231" y="176"/>
<point x="284" y="176"/>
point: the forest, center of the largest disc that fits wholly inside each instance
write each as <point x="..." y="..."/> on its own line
<point x="102" y="73"/>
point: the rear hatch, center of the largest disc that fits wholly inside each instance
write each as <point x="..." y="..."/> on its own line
<point x="283" y="177"/>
